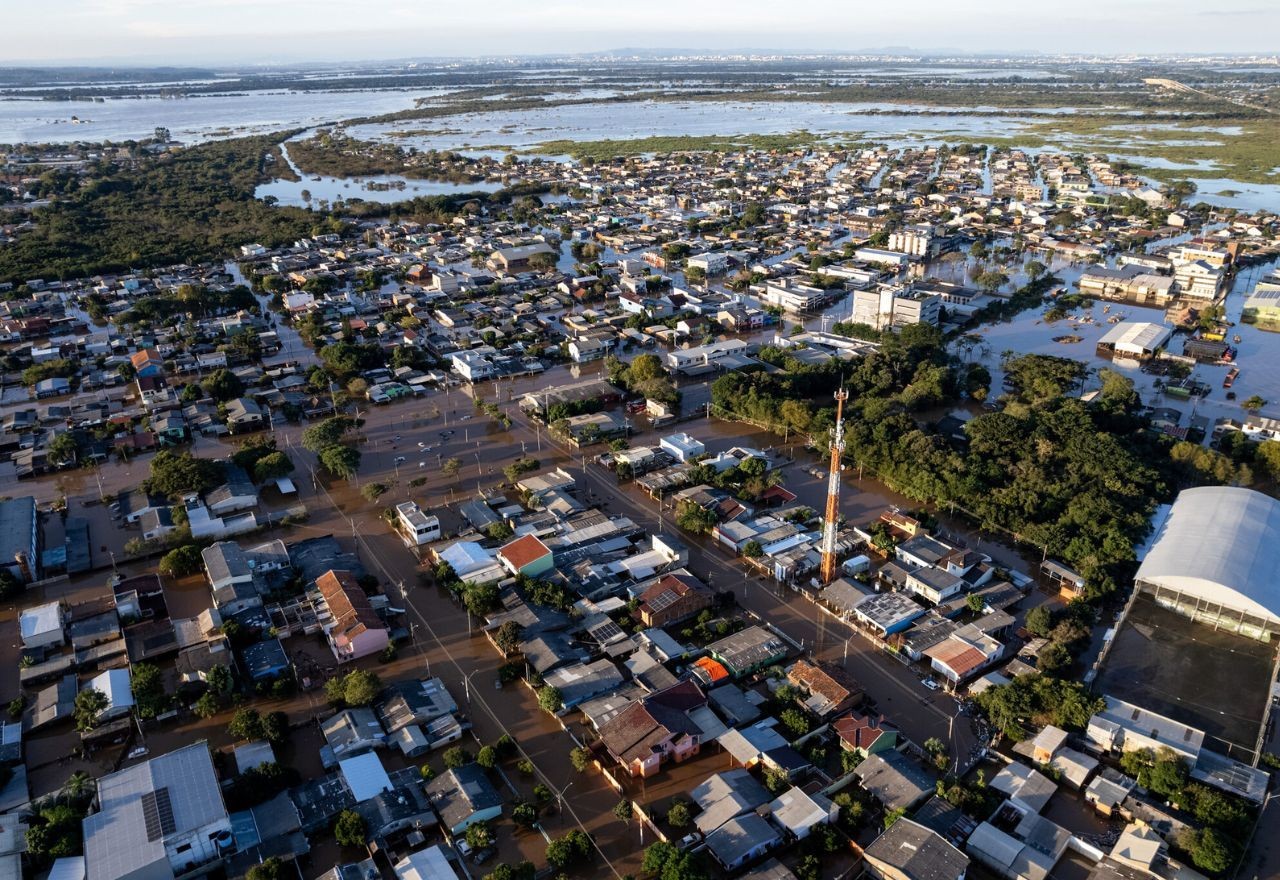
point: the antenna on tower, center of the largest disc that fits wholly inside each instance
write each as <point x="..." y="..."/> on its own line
<point x="833" y="492"/>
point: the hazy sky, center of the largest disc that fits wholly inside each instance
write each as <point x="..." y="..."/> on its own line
<point x="264" y="31"/>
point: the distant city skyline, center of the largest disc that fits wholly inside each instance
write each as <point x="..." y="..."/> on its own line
<point x="209" y="32"/>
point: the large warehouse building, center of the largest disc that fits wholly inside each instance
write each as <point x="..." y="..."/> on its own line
<point x="1215" y="558"/>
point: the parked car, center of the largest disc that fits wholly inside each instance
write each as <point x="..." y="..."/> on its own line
<point x="931" y="683"/>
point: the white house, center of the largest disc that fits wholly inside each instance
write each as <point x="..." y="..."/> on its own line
<point x="682" y="447"/>
<point x="42" y="626"/>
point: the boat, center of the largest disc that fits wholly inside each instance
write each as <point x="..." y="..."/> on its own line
<point x="1230" y="379"/>
<point x="1236" y="339"/>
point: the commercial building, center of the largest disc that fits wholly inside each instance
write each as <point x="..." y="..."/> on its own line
<point x="157" y="820"/>
<point x="20" y="538"/>
<point x="895" y="306"/>
<point x="1214" y="559"/>
<point x="1139" y="340"/>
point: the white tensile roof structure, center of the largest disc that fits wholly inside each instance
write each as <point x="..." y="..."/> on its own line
<point x="1220" y="544"/>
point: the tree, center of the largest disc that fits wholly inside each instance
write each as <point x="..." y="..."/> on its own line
<point x="479" y="835"/>
<point x="678" y="815"/>
<point x="550" y="699"/>
<point x="174" y="474"/>
<point x="271" y="466"/>
<point x="348" y="829"/>
<point x="326" y="433"/>
<point x="208" y="705"/>
<point x="509" y="637"/>
<point x="693" y="518"/>
<point x="1210" y="849"/>
<point x="1254" y="403"/>
<point x="181" y="561"/>
<point x="1035" y="269"/>
<point x="63" y="448"/>
<point x="89" y="704"/>
<point x="270" y="868"/>
<point x="341" y="461"/>
<point x="451" y="467"/>
<point x="975" y="603"/>
<point x="752" y="549"/>
<point x="222" y="385"/>
<point x="795" y="721"/>
<point x="219" y="680"/>
<point x="580" y="758"/>
<point x="10" y="586"/>
<point x="657" y="856"/>
<point x="357" y="688"/>
<point x="1040" y="621"/>
<point x="246" y="724"/>
<point x="149" y="696"/>
<point x="574" y="848"/>
<point x="524" y="814"/>
<point x="275" y="728"/>
<point x="55" y="832"/>
<point x="373" y="491"/>
<point x="456" y="757"/>
<point x="487" y="757"/>
<point x="623" y="810"/>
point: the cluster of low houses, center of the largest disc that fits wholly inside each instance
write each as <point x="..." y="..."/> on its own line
<point x="515" y="314"/>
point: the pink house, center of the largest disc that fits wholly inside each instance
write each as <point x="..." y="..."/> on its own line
<point x="656" y="729"/>
<point x="354" y="630"/>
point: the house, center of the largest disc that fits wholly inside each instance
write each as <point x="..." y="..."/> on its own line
<point x="909" y="851"/>
<point x="231" y="578"/>
<point x="672" y="599"/>
<point x="352" y="627"/>
<point x="236" y="494"/>
<point x="114" y="684"/>
<point x="725" y="795"/>
<point x="425" y="864"/>
<point x="518" y="259"/>
<point x="43" y="626"/>
<point x="742" y="839"/>
<point x="864" y="735"/>
<point x="964" y="653"/>
<point x="405" y="703"/>
<point x="416" y="528"/>
<point x="527" y="556"/>
<point x="265" y="660"/>
<point x="352" y="732"/>
<point x="655" y="729"/>
<point x="745" y="652"/>
<point x="896" y="781"/>
<point x="243" y="415"/>
<point x="365" y="776"/>
<point x="161" y="818"/>
<point x="829" y="688"/>
<point x="798" y="812"/>
<point x="682" y="447"/>
<point x="147" y="363"/>
<point x="463" y="796"/>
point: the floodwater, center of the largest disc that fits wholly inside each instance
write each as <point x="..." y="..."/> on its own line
<point x="385" y="188"/>
<point x="586" y="122"/>
<point x="1257" y="351"/>
<point x="194" y="118"/>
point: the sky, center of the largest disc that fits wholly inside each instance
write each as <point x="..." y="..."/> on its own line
<point x="289" y="31"/>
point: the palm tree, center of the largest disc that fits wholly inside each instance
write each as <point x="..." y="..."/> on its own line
<point x="77" y="786"/>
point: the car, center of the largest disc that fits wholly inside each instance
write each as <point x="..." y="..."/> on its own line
<point x="483" y="855"/>
<point x="465" y="417"/>
<point x="690" y="840"/>
<point x="395" y="439"/>
<point x="422" y="444"/>
<point x="931" y="683"/>
<point x="497" y="683"/>
<point x="422" y="464"/>
<point x="446" y="434"/>
<point x="400" y="459"/>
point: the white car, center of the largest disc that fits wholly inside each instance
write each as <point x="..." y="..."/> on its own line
<point x="931" y="683"/>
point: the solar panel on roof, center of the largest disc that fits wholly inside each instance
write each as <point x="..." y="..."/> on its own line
<point x="157" y="813"/>
<point x="607" y="631"/>
<point x="663" y="600"/>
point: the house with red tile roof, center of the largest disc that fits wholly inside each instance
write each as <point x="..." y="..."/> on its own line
<point x="829" y="689"/>
<point x="527" y="556"/>
<point x="656" y="729"/>
<point x="864" y="735"/>
<point x="350" y="624"/>
<point x="672" y="599"/>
